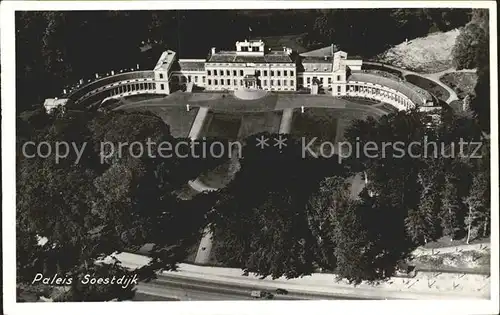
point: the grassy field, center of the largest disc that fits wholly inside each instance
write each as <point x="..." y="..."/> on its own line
<point x="239" y="125"/>
<point x="230" y="104"/>
<point x="221" y="125"/>
<point x="140" y="97"/>
<point x="235" y="126"/>
<point x="315" y="122"/>
<point x="361" y="100"/>
<point x="326" y="123"/>
<point x="425" y="54"/>
<point x="178" y="119"/>
<point x="252" y="123"/>
<point x="429" y="86"/>
<point x="462" y="83"/>
<point x="388" y="107"/>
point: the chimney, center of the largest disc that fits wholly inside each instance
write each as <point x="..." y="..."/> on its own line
<point x="97" y="76"/>
<point x="137" y="66"/>
<point x="81" y="81"/>
<point x="112" y="72"/>
<point x="64" y="91"/>
<point x="213" y="50"/>
<point x="333" y="50"/>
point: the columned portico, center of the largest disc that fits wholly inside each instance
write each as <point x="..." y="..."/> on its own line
<point x="250" y="82"/>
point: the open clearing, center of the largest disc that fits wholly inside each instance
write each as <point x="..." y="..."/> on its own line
<point x="325" y="123"/>
<point x="462" y="83"/>
<point x="178" y="118"/>
<point x="239" y="125"/>
<point x="235" y="126"/>
<point x="315" y="122"/>
<point x="424" y="54"/>
<point x="221" y="125"/>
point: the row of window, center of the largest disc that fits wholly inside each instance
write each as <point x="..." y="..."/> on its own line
<point x="135" y="87"/>
<point x="320" y="79"/>
<point x="222" y="88"/>
<point x="246" y="49"/>
<point x="257" y="72"/>
<point x="264" y="82"/>
<point x="376" y="91"/>
<point x="195" y="78"/>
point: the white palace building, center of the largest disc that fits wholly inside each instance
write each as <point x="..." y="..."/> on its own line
<point x="253" y="66"/>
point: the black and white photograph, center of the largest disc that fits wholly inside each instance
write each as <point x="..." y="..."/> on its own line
<point x="268" y="157"/>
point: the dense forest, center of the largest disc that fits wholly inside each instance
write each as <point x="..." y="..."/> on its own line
<point x="56" y="49"/>
<point x="472" y="50"/>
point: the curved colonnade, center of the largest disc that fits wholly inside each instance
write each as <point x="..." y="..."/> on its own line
<point x="119" y="85"/>
<point x="400" y="94"/>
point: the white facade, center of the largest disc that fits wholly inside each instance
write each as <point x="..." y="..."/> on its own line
<point x="163" y="73"/>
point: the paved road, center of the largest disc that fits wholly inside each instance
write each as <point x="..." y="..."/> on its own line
<point x="169" y="287"/>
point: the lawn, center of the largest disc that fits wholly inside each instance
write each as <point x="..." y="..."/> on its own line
<point x="315" y="122"/>
<point x="388" y="108"/>
<point x="252" y="123"/>
<point x="428" y="54"/>
<point x="429" y="86"/>
<point x="178" y="118"/>
<point x="462" y="83"/>
<point x="227" y="102"/>
<point x="235" y="126"/>
<point x="324" y="123"/>
<point x="361" y="100"/>
<point x="140" y="97"/>
<point x="239" y="125"/>
<point x="221" y="125"/>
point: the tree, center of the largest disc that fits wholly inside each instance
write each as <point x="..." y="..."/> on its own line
<point x="355" y="248"/>
<point x="452" y="214"/>
<point x="471" y="47"/>
<point x="387" y="166"/>
<point x="321" y="206"/>
<point x="89" y="210"/>
<point x="478" y="203"/>
<point x="422" y="223"/>
<point x="260" y="220"/>
<point x="480" y="103"/>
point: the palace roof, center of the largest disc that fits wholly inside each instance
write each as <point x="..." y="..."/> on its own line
<point x="233" y="57"/>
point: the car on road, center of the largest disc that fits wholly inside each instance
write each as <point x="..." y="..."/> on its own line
<point x="281" y="291"/>
<point x="261" y="294"/>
